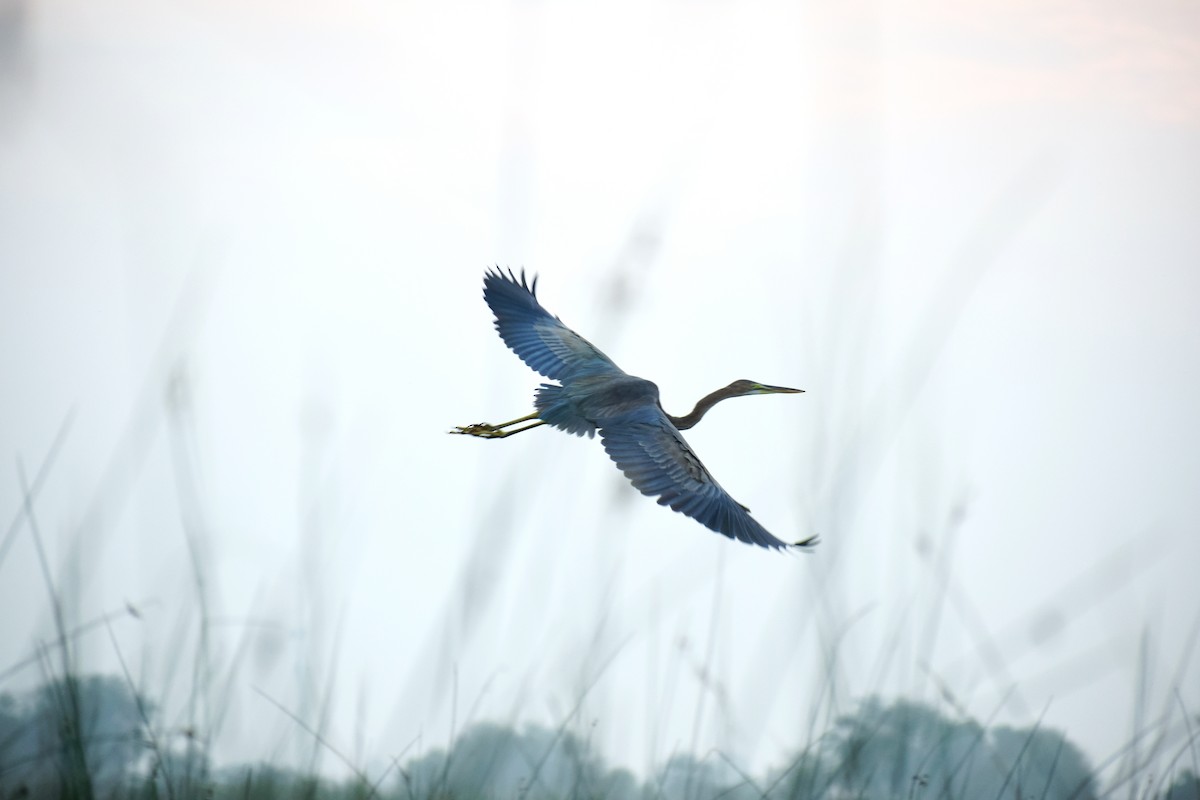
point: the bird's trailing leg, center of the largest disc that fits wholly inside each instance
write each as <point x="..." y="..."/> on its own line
<point x="488" y="431"/>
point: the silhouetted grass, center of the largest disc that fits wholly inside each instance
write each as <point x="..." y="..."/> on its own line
<point x="85" y="736"/>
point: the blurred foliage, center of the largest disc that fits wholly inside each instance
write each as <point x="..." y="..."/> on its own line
<point x="74" y="737"/>
<point x="95" y="737"/>
<point x="490" y="760"/>
<point x="1185" y="787"/>
<point x="906" y="749"/>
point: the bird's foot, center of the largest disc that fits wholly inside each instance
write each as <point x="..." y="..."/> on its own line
<point x="487" y="430"/>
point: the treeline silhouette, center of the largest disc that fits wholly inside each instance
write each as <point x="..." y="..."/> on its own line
<point x="94" y="737"/>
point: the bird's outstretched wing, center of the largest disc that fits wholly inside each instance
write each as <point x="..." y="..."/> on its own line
<point x="541" y="340"/>
<point x="653" y="454"/>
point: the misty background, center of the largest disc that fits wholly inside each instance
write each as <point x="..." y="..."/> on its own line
<point x="241" y="257"/>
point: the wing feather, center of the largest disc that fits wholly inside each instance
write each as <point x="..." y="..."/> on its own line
<point x="538" y="338"/>
<point x="655" y="457"/>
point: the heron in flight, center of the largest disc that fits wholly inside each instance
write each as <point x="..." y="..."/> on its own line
<point x="594" y="394"/>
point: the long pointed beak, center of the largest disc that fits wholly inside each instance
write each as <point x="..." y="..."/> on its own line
<point x="762" y="388"/>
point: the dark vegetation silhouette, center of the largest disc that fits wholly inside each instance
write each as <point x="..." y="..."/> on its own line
<point x="72" y="737"/>
<point x="884" y="749"/>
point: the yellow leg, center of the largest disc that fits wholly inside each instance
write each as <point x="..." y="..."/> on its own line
<point x="486" y="430"/>
<point x="499" y="434"/>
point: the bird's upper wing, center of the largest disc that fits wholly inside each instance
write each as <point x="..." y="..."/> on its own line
<point x="653" y="454"/>
<point x="541" y="340"/>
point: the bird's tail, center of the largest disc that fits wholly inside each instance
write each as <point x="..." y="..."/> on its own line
<point x="555" y="408"/>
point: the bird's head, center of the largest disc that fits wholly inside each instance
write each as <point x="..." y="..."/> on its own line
<point x="745" y="387"/>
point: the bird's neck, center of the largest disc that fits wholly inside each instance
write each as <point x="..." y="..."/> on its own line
<point x="702" y="407"/>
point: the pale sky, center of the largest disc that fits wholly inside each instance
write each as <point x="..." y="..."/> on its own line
<point x="243" y="245"/>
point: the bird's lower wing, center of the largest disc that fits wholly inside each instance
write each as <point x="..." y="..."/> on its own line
<point x="655" y="457"/>
<point x="540" y="339"/>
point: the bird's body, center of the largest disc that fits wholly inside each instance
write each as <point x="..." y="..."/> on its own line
<point x="594" y="395"/>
